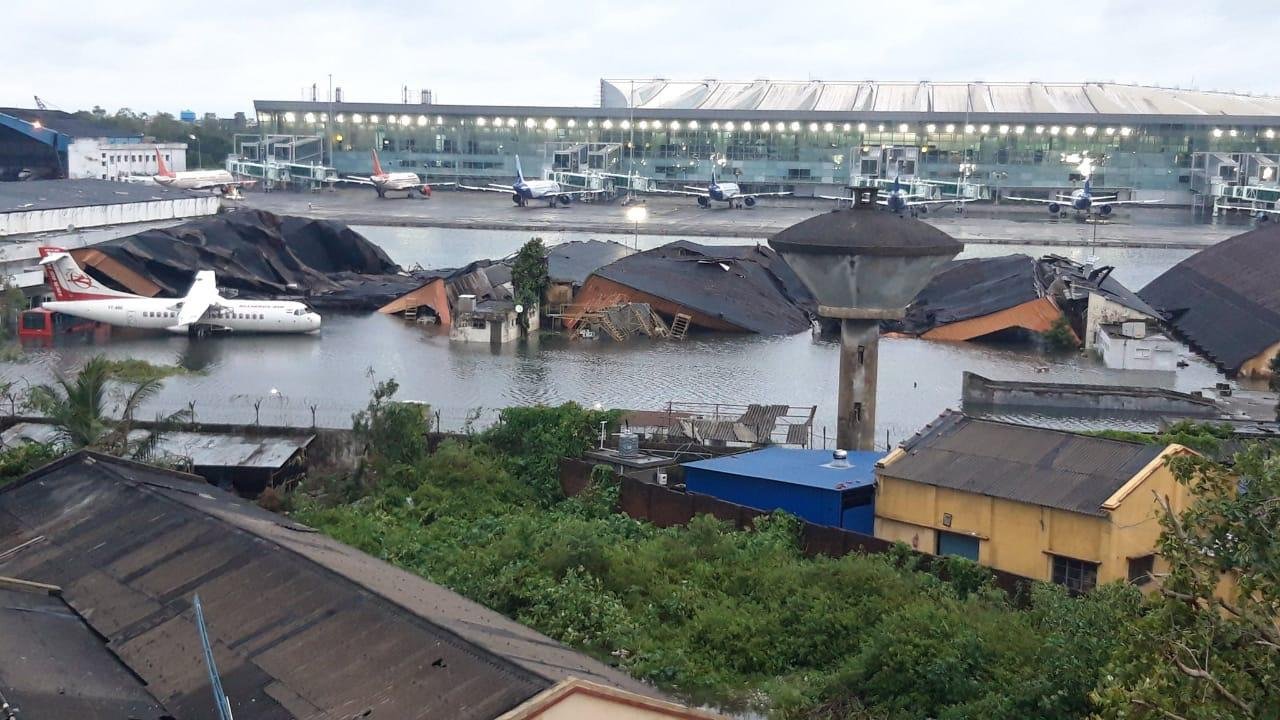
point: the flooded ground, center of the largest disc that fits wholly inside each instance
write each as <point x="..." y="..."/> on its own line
<point x="293" y="377"/>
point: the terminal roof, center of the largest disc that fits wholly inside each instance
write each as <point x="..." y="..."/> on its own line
<point x="1024" y="98"/>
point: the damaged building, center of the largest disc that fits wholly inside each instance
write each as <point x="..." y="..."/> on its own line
<point x="729" y="288"/>
<point x="435" y="299"/>
<point x="1225" y="301"/>
<point x="101" y="560"/>
<point x="255" y="254"/>
<point x="983" y="297"/>
<point x="570" y="264"/>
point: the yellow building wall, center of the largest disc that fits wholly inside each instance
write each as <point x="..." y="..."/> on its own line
<point x="1020" y="537"/>
<point x="589" y="707"/>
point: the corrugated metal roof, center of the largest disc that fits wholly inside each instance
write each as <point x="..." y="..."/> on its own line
<point x="1049" y="468"/>
<point x="811" y="468"/>
<point x="1225" y="299"/>
<point x="574" y="261"/>
<point x="202" y="449"/>
<point x="937" y="97"/>
<point x="55" y="666"/>
<point x="302" y="626"/>
<point x="56" y="194"/>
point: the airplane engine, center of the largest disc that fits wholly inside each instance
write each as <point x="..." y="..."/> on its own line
<point x="1104" y="210"/>
<point x="1054" y="208"/>
<point x="564" y="200"/>
<point x="425" y="190"/>
<point x="923" y="209"/>
<point x="749" y="201"/>
<point x="515" y="198"/>
<point x="704" y="202"/>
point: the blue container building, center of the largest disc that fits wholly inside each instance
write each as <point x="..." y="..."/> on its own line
<point x="810" y="484"/>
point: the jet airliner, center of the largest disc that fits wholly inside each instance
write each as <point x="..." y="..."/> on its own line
<point x="195" y="179"/>
<point x="725" y="192"/>
<point x="1084" y="201"/>
<point x="384" y="182"/>
<point x="899" y="200"/>
<point x="523" y="191"/>
<point x="201" y="311"/>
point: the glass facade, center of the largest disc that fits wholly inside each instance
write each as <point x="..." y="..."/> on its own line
<point x="479" y="145"/>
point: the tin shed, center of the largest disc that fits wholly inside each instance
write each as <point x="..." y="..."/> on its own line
<point x="811" y="484"/>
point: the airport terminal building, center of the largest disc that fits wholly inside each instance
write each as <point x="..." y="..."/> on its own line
<point x="812" y="136"/>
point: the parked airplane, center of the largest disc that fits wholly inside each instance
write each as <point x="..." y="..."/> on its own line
<point x="900" y="199"/>
<point x="525" y="190"/>
<point x="384" y="182"/>
<point x="721" y="192"/>
<point x="200" y="312"/>
<point x="1083" y="200"/>
<point x="195" y="179"/>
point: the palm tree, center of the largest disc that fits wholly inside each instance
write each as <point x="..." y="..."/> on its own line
<point x="77" y="408"/>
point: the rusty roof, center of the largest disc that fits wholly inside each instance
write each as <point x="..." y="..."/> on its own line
<point x="1037" y="466"/>
<point x="302" y="626"/>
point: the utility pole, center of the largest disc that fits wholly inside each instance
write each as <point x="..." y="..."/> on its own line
<point x="329" y="126"/>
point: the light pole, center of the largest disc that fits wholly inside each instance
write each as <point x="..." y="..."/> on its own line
<point x="199" y="153"/>
<point x="637" y="214"/>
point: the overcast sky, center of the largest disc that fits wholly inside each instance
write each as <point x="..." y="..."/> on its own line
<point x="220" y="55"/>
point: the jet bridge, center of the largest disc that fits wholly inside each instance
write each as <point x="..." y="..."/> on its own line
<point x="1235" y="182"/>
<point x="282" y="161"/>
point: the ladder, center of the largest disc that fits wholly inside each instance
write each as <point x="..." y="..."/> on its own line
<point x="610" y="328"/>
<point x="411" y="313"/>
<point x="660" y="328"/>
<point x="680" y="326"/>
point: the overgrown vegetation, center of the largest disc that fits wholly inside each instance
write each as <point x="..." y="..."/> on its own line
<point x="79" y="409"/>
<point x="1060" y="336"/>
<point x="529" y="278"/>
<point x="19" y="460"/>
<point x="745" y="620"/>
<point x="133" y="370"/>
<point x="1206" y="438"/>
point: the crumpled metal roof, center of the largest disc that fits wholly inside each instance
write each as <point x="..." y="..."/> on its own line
<point x="1037" y="466"/>
<point x="202" y="449"/>
<point x="302" y="626"/>
<point x="1225" y="299"/>
<point x="936" y="97"/>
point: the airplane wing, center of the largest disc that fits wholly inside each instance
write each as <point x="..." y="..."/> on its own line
<point x="571" y="192"/>
<point x="687" y="191"/>
<point x="489" y="188"/>
<point x="952" y="201"/>
<point x="355" y="179"/>
<point x="202" y="295"/>
<point x="764" y="194"/>
<point x="1043" y="201"/>
<point x="216" y="185"/>
<point x="439" y="184"/>
<point x="1096" y="201"/>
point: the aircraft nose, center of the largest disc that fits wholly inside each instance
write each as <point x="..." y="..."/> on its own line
<point x="313" y="321"/>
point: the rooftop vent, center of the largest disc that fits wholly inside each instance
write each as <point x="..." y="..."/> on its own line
<point x="839" y="459"/>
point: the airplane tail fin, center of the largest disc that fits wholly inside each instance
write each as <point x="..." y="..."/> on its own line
<point x="69" y="282"/>
<point x="161" y="169"/>
<point x="1088" y="186"/>
<point x="519" y="172"/>
<point x="377" y="166"/>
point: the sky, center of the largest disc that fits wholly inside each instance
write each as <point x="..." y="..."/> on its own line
<point x="220" y="55"/>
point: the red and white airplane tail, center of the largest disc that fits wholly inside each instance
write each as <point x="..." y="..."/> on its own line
<point x="377" y="166"/>
<point x="69" y="282"/>
<point x="161" y="169"/>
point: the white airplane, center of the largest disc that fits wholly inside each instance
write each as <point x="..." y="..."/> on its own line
<point x="525" y="190"/>
<point x="899" y="200"/>
<point x="384" y="182"/>
<point x="721" y="192"/>
<point x="1083" y="200"/>
<point x="195" y="179"/>
<point x="200" y="312"/>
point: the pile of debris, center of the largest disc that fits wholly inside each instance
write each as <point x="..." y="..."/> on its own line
<point x="978" y="297"/>
<point x="254" y="253"/>
<point x="433" y="297"/>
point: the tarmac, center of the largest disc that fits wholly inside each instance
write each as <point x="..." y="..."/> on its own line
<point x="1006" y="224"/>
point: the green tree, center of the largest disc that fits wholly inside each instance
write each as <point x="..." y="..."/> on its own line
<point x="1209" y="647"/>
<point x="529" y="275"/>
<point x="393" y="434"/>
<point x="77" y="407"/>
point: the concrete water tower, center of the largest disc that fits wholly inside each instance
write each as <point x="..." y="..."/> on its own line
<point x="863" y="266"/>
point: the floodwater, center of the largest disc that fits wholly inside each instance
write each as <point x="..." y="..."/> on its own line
<point x="295" y="379"/>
